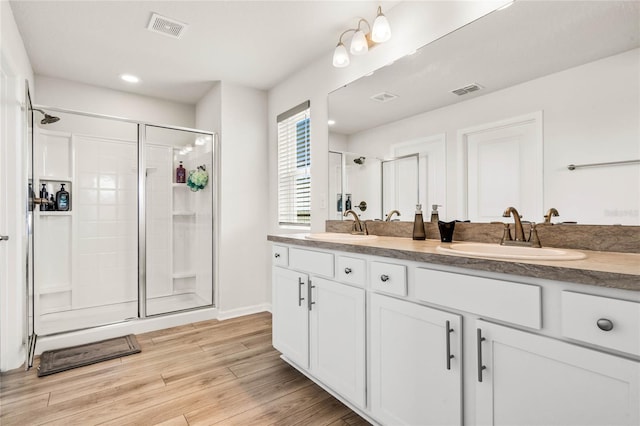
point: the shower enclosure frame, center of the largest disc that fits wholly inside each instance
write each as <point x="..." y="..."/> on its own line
<point x="214" y="180"/>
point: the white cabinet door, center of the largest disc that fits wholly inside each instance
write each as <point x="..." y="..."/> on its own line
<point x="337" y="338"/>
<point x="535" y="380"/>
<point x="291" y="315"/>
<point x="414" y="378"/>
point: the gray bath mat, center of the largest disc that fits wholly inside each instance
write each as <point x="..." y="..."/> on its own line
<point x="77" y="356"/>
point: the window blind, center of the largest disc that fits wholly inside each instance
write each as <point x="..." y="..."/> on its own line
<point x="294" y="167"/>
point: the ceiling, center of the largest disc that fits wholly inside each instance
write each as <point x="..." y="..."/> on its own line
<point x="528" y="40"/>
<point x="252" y="43"/>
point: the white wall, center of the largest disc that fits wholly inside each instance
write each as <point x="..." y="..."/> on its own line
<point x="593" y="121"/>
<point x="86" y="98"/>
<point x="15" y="66"/>
<point x="238" y="114"/>
<point x="413" y="25"/>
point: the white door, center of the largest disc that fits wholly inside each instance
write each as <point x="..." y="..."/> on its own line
<point x="291" y="315"/>
<point x="416" y="365"/>
<point x="535" y="380"/>
<point x="501" y="165"/>
<point x="337" y="331"/>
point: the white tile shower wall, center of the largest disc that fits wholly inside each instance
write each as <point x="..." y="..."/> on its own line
<point x="105" y="222"/>
<point x="158" y="216"/>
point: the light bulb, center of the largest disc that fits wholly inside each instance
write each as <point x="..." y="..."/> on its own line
<point x="340" y="56"/>
<point x="359" y="44"/>
<point x="381" y="30"/>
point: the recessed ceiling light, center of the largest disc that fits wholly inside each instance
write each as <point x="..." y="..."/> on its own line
<point x="130" y="78"/>
<point x="331" y="122"/>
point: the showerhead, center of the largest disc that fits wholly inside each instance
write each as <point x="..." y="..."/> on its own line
<point x="359" y="160"/>
<point x="48" y="119"/>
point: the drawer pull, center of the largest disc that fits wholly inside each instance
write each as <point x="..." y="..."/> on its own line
<point x="277" y="255"/>
<point x="448" y="331"/>
<point x="310" y="295"/>
<point x="605" y="324"/>
<point x="347" y="271"/>
<point x="300" y="298"/>
<point x="384" y="278"/>
<point x="481" y="367"/>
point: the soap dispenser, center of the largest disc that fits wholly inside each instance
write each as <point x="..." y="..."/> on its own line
<point x="434" y="213"/>
<point x="181" y="174"/>
<point x="62" y="199"/>
<point x="418" y="225"/>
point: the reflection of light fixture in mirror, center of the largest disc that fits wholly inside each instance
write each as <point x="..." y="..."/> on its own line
<point x="129" y="78"/>
<point x="381" y="31"/>
<point x="331" y="122"/>
<point x="506" y="5"/>
<point x="361" y="41"/>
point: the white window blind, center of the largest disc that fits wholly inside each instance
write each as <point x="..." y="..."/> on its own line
<point x="294" y="167"/>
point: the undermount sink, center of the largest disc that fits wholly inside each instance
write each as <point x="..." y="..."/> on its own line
<point x="497" y="251"/>
<point x="336" y="236"/>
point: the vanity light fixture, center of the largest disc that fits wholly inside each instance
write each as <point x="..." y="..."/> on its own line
<point x="361" y="41"/>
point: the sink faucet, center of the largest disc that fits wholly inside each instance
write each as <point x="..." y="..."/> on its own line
<point x="519" y="240"/>
<point x="358" y="226"/>
<point x="516" y="217"/>
<point x="390" y="214"/>
<point x="551" y="213"/>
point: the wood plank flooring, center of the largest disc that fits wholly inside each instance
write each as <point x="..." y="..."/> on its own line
<point x="212" y="372"/>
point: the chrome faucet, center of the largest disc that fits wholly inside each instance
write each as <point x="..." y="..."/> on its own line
<point x="551" y="213"/>
<point x="359" y="228"/>
<point x="519" y="239"/>
<point x="390" y="214"/>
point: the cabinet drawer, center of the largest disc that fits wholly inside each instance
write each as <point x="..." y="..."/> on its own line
<point x="502" y="300"/>
<point x="603" y="321"/>
<point x="280" y="255"/>
<point x="389" y="278"/>
<point x="313" y="262"/>
<point x="352" y="270"/>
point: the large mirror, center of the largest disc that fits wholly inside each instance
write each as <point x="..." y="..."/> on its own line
<point x="501" y="110"/>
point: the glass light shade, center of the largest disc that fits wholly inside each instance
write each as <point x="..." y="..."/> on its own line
<point x="359" y="44"/>
<point x="340" y="56"/>
<point x="381" y="30"/>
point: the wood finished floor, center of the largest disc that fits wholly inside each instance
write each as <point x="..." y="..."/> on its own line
<point x="211" y="372"/>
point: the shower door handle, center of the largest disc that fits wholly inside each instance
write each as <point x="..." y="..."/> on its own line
<point x="4" y="237"/>
<point x="40" y="201"/>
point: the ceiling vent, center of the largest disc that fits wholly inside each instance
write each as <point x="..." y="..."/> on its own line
<point x="384" y="97"/>
<point x="467" y="89"/>
<point x="166" y="26"/>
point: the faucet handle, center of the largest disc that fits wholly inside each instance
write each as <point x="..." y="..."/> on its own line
<point x="533" y="236"/>
<point x="506" y="234"/>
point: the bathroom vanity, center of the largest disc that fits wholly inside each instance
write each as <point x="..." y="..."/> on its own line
<point x="405" y="334"/>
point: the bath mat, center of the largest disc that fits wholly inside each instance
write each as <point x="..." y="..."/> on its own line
<point x="78" y="356"/>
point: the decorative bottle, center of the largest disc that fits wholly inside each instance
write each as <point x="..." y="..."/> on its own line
<point x="62" y="199"/>
<point x="181" y="174"/>
<point x="418" y="225"/>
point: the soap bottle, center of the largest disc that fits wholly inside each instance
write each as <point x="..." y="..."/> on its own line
<point x="44" y="195"/>
<point x="434" y="213"/>
<point x="418" y="225"/>
<point x="62" y="199"/>
<point x="181" y="174"/>
<point x="51" y="205"/>
<point x="347" y="204"/>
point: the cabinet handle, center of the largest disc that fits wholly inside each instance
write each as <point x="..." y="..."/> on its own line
<point x="384" y="278"/>
<point x="300" y="298"/>
<point x="481" y="367"/>
<point x="605" y="324"/>
<point x="277" y="255"/>
<point x="310" y="295"/>
<point x="347" y="271"/>
<point x="448" y="331"/>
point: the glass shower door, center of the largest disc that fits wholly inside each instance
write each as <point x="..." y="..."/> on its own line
<point x="178" y="216"/>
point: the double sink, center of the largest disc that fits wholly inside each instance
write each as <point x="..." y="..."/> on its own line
<point x="493" y="251"/>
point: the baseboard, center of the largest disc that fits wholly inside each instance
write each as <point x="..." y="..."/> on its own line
<point x="248" y="310"/>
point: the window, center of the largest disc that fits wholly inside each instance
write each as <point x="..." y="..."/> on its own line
<point x="294" y="167"/>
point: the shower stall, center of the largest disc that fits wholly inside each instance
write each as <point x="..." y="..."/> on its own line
<point x="135" y="238"/>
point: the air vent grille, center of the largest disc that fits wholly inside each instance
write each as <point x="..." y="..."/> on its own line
<point x="166" y="26"/>
<point x="384" y="97"/>
<point x="467" y="89"/>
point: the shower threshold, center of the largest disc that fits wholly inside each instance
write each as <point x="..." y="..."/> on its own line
<point x="74" y="319"/>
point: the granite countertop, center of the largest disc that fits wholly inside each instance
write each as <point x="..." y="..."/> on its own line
<point x="604" y="269"/>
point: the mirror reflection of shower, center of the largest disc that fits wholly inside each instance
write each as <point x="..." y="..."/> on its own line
<point x="48" y="119"/>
